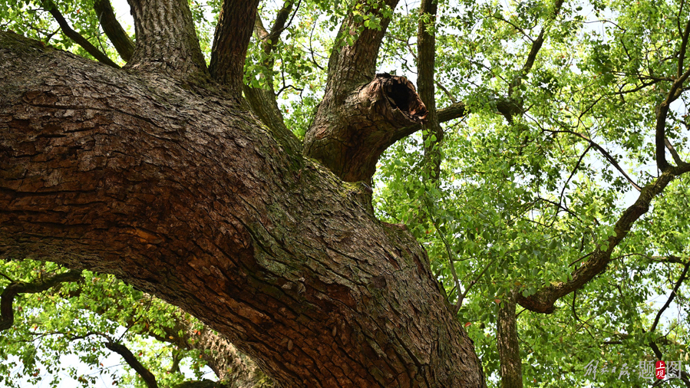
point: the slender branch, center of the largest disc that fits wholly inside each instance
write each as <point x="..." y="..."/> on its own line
<point x="426" y="59"/>
<point x="534" y="50"/>
<point x="113" y="29"/>
<point x="473" y="282"/>
<point x="543" y="301"/>
<point x="674" y="153"/>
<point x="16" y="288"/>
<point x="670" y="298"/>
<point x="652" y="344"/>
<point x="683" y="47"/>
<point x="560" y="206"/>
<point x="271" y="40"/>
<point x="661" y="259"/>
<point x="577" y="165"/>
<point x="75" y="36"/>
<point x="601" y="151"/>
<point x="451" y="262"/>
<point x="451" y="112"/>
<point x="7" y="277"/>
<point x="446" y="92"/>
<point x="520" y="30"/>
<point x="662" y="111"/>
<point x="134" y="363"/>
<point x="580" y="259"/>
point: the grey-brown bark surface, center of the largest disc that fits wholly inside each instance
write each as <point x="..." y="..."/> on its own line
<point x="231" y="40"/>
<point x="507" y="343"/>
<point x="177" y="190"/>
<point x="166" y="39"/>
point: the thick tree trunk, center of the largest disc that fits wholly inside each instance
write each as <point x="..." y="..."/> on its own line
<point x="178" y="191"/>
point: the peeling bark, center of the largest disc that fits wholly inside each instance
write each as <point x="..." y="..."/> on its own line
<point x="178" y="191"/>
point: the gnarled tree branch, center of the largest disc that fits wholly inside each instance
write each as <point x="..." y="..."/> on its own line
<point x="543" y="300"/>
<point x="198" y="206"/>
<point x="40" y="285"/>
<point x="133" y="362"/>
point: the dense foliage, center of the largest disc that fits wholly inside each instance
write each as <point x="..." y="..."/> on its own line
<point x="525" y="195"/>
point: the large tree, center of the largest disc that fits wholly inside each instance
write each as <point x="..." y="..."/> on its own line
<point x="159" y="174"/>
<point x="187" y="181"/>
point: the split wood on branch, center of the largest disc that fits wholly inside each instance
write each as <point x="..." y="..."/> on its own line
<point x="367" y="125"/>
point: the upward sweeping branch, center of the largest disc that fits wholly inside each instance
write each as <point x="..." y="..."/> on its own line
<point x="166" y="39"/>
<point x="231" y="40"/>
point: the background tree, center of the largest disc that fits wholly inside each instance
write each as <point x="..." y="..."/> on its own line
<point x="520" y="187"/>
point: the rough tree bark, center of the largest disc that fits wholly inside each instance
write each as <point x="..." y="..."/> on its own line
<point x="507" y="343"/>
<point x="157" y="174"/>
<point x="426" y="66"/>
<point x="358" y="117"/>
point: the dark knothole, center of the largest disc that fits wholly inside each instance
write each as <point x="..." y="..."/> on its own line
<point x="401" y="94"/>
